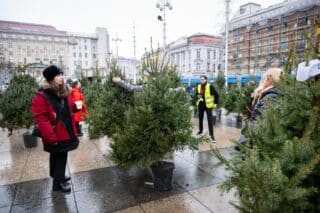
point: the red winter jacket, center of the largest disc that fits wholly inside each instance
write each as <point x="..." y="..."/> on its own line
<point x="52" y="131"/>
<point x="77" y="95"/>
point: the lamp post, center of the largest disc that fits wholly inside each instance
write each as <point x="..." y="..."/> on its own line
<point x="162" y="5"/>
<point x="226" y="40"/>
<point x="116" y="40"/>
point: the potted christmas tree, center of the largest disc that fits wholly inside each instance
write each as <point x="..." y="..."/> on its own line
<point x="15" y="111"/>
<point x="157" y="123"/>
<point x="278" y="170"/>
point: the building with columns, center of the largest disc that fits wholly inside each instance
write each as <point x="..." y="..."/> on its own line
<point x="260" y="38"/>
<point x="197" y="54"/>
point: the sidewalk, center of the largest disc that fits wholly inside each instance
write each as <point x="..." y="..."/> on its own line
<point x="99" y="186"/>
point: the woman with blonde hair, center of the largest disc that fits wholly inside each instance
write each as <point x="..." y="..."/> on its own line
<point x="265" y="92"/>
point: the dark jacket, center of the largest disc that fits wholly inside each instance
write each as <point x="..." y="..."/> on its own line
<point x="268" y="95"/>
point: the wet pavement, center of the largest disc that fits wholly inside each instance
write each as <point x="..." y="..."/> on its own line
<point x="100" y="186"/>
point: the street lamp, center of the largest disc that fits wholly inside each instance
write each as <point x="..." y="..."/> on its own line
<point x="116" y="40"/>
<point x="161" y="5"/>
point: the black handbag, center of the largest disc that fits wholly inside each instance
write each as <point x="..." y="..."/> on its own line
<point x="62" y="146"/>
<point x="36" y="131"/>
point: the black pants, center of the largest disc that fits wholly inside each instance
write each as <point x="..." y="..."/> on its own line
<point x="58" y="163"/>
<point x="203" y="108"/>
<point x="78" y="125"/>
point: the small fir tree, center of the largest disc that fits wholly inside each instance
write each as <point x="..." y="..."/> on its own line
<point x="278" y="169"/>
<point x="107" y="103"/>
<point x="15" y="102"/>
<point x="158" y="122"/>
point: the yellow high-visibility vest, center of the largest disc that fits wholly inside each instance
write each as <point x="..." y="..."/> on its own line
<point x="207" y="96"/>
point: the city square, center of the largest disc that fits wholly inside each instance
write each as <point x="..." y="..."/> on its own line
<point x="160" y="106"/>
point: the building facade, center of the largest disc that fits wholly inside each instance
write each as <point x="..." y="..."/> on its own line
<point x="260" y="38"/>
<point x="130" y="68"/>
<point x="198" y="54"/>
<point x="40" y="45"/>
<point x="24" y="43"/>
<point x="89" y="53"/>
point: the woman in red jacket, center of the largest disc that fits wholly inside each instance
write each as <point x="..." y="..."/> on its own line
<point x="52" y="109"/>
<point x="80" y="106"/>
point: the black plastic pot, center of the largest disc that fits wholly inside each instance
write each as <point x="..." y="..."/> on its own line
<point x="162" y="175"/>
<point x="29" y="140"/>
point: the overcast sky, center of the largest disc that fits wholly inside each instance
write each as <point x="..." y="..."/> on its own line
<point x="118" y="16"/>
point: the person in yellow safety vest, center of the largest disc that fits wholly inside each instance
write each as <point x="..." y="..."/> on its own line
<point x="207" y="99"/>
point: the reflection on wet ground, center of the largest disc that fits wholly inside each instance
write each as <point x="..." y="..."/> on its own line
<point x="99" y="186"/>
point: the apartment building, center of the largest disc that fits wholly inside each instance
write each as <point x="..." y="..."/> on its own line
<point x="40" y="45"/>
<point x="260" y="38"/>
<point x="197" y="54"/>
<point x="89" y="53"/>
<point x="22" y="43"/>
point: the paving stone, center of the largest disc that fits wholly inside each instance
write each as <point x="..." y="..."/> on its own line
<point x="7" y="194"/>
<point x="59" y="202"/>
<point x="194" y="178"/>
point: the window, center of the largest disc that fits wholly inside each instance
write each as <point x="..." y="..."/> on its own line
<point x="190" y="56"/>
<point x="80" y="55"/>
<point x="94" y="55"/>
<point x="257" y="48"/>
<point x="269" y="47"/>
<point x="242" y="10"/>
<point x="238" y="64"/>
<point x="256" y="62"/>
<point x="301" y="41"/>
<point x="282" y="60"/>
<point x="85" y="47"/>
<point x="219" y="67"/>
<point x="284" y="23"/>
<point x="74" y="55"/>
<point x="238" y="54"/>
<point x="198" y="67"/>
<point x="198" y="53"/>
<point x="270" y="27"/>
<point x="208" y="54"/>
<point x="208" y="67"/>
<point x="283" y="43"/>
<point x="86" y="55"/>
<point x="214" y="54"/>
<point x="303" y="19"/>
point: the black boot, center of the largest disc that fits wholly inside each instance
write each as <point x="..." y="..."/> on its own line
<point x="67" y="178"/>
<point x="62" y="187"/>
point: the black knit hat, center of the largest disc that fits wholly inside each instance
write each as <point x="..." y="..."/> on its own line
<point x="51" y="71"/>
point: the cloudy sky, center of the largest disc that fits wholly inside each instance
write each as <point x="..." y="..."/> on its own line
<point x="118" y="16"/>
